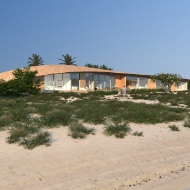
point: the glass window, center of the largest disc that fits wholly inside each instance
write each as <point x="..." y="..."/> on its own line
<point x="101" y="81"/>
<point x="107" y="81"/>
<point x="96" y="77"/>
<point x="112" y="82"/>
<point x="131" y="81"/>
<point x="143" y="82"/>
<point x="89" y="79"/>
<point x="48" y="82"/>
<point x="74" y="81"/>
<point x="66" y="81"/>
<point x="58" y="81"/>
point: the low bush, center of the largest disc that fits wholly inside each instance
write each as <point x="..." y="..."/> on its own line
<point x="145" y="91"/>
<point x="19" y="113"/>
<point x="187" y="121"/>
<point x="42" y="138"/>
<point x="173" y="128"/>
<point x="56" y="117"/>
<point x="102" y="93"/>
<point x="20" y="131"/>
<point x="5" y="120"/>
<point x="96" y="111"/>
<point x="119" y="130"/>
<point x="136" y="133"/>
<point x="78" y="130"/>
<point x="28" y="136"/>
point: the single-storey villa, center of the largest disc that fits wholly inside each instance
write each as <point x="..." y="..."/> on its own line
<point x="69" y="77"/>
<point x="139" y="81"/>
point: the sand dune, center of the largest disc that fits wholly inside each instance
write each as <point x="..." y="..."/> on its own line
<point x="158" y="161"/>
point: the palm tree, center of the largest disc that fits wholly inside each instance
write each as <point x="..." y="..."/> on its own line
<point x="67" y="60"/>
<point x="35" y="60"/>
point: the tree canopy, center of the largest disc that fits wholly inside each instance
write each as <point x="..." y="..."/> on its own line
<point x="167" y="80"/>
<point x="35" y="60"/>
<point x="68" y="60"/>
<point x="105" y="67"/>
<point x="91" y="65"/>
<point x="24" y="82"/>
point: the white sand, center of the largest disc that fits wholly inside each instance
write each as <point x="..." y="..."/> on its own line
<point x="158" y="161"/>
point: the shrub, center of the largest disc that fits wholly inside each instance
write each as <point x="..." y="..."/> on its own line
<point x="42" y="138"/>
<point x="23" y="83"/>
<point x="78" y="130"/>
<point x="5" y="120"/>
<point x="20" y="131"/>
<point x="28" y="135"/>
<point x="56" y="117"/>
<point x="101" y="93"/>
<point x="136" y="133"/>
<point x="187" y="121"/>
<point x="19" y="113"/>
<point x="173" y="128"/>
<point x="16" y="134"/>
<point x="119" y="130"/>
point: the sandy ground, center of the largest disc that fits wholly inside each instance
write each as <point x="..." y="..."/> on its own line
<point x="158" y="161"/>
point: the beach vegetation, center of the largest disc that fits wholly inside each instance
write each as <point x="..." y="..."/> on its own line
<point x="174" y="128"/>
<point x="136" y="133"/>
<point x="48" y="110"/>
<point x="187" y="121"/>
<point x="35" y="60"/>
<point x="78" y="130"/>
<point x="119" y="130"/>
<point x="28" y="135"/>
<point x="23" y="83"/>
<point x="166" y="80"/>
<point x="67" y="60"/>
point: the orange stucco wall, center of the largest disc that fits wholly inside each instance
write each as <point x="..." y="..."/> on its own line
<point x="174" y="87"/>
<point x="120" y="81"/>
<point x="151" y="84"/>
<point x="82" y="81"/>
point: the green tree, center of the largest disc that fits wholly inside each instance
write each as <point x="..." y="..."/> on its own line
<point x="98" y="67"/>
<point x="105" y="67"/>
<point x="91" y="65"/>
<point x="67" y="60"/>
<point x="35" y="60"/>
<point x="24" y="82"/>
<point x="3" y="87"/>
<point x="167" y="80"/>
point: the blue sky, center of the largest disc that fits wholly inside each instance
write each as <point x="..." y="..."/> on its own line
<point x="135" y="36"/>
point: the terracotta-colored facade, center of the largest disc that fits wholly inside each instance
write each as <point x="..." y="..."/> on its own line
<point x="138" y="81"/>
<point x="55" y="75"/>
<point x="48" y="74"/>
<point x="151" y="84"/>
<point x="120" y="81"/>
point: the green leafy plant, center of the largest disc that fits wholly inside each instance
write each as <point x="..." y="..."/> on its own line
<point x="78" y="130"/>
<point x="136" y="133"/>
<point x="41" y="138"/>
<point x="35" y="60"/>
<point x="23" y="83"/>
<point x="56" y="117"/>
<point x="119" y="130"/>
<point x="19" y="131"/>
<point x="173" y="128"/>
<point x="167" y="80"/>
<point x="28" y="135"/>
<point x="187" y="121"/>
